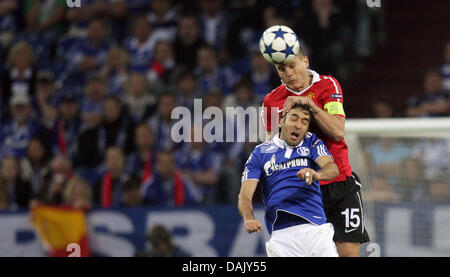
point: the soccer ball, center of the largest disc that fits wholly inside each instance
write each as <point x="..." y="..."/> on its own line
<point x="279" y="44"/>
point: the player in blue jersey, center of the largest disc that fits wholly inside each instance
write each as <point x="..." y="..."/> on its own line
<point x="288" y="168"/>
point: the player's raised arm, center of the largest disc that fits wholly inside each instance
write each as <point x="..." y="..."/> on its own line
<point x="332" y="125"/>
<point x="329" y="169"/>
<point x="245" y="205"/>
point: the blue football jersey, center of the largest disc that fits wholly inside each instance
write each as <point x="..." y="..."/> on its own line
<point x="275" y="164"/>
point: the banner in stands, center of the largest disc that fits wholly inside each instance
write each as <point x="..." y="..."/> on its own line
<point x="399" y="230"/>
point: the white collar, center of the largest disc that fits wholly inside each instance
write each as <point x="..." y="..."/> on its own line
<point x="315" y="79"/>
<point x="282" y="144"/>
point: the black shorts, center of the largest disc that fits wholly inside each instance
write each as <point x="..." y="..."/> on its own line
<point x="343" y="207"/>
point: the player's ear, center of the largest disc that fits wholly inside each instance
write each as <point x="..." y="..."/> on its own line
<point x="280" y="125"/>
<point x="306" y="61"/>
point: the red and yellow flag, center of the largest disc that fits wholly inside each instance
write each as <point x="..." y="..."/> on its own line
<point x="59" y="227"/>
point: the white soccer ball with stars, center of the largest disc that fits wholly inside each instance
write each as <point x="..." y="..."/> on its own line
<point x="279" y="44"/>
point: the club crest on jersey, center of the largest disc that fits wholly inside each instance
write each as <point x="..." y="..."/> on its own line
<point x="303" y="151"/>
<point x="271" y="166"/>
<point x="310" y="95"/>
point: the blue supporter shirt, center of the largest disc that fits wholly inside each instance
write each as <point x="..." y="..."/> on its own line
<point x="14" y="140"/>
<point x="275" y="164"/>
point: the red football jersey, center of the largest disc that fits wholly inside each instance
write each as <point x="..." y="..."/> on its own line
<point x="326" y="92"/>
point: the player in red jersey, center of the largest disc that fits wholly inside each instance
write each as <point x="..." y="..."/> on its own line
<point x="323" y="94"/>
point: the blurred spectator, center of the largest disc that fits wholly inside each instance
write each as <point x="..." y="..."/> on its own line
<point x="78" y="194"/>
<point x="435" y="100"/>
<point x="163" y="18"/>
<point x="168" y="186"/>
<point x="163" y="63"/>
<point x="196" y="161"/>
<point x="439" y="189"/>
<point x="92" y="105"/>
<point x="8" y="24"/>
<point x="412" y="183"/>
<point x="67" y="127"/>
<point x="18" y="191"/>
<point x="210" y="74"/>
<point x="387" y="156"/>
<point x="4" y="196"/>
<point x="116" y="129"/>
<point x="242" y="96"/>
<point x="262" y="76"/>
<point x="118" y="13"/>
<point x="91" y="53"/>
<point x="141" y="45"/>
<point x="46" y="97"/>
<point x="20" y="74"/>
<point x="161" y="122"/>
<point x="435" y="153"/>
<point x="139" y="99"/>
<point x="132" y="192"/>
<point x="15" y="134"/>
<point x="322" y="31"/>
<point x="45" y="17"/>
<point x="380" y="190"/>
<point x="369" y="28"/>
<point x="79" y="18"/>
<point x="35" y="164"/>
<point x="383" y="109"/>
<point x="162" y="244"/>
<point x="109" y="191"/>
<point x="186" y="87"/>
<point x="137" y="6"/>
<point x="241" y="36"/>
<point x="445" y="68"/>
<point x="241" y="99"/>
<point x="140" y="162"/>
<point x="215" y="23"/>
<point x="115" y="70"/>
<point x="271" y="16"/>
<point x="188" y="41"/>
<point x="54" y="183"/>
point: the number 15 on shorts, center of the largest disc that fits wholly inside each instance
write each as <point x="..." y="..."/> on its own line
<point x="352" y="219"/>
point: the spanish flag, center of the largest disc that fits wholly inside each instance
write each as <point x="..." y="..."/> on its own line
<point x="62" y="229"/>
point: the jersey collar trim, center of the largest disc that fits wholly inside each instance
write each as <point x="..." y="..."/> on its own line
<point x="315" y="79"/>
<point x="282" y="144"/>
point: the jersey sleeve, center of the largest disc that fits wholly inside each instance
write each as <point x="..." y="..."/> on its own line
<point x="266" y="115"/>
<point x="333" y="99"/>
<point x="269" y="114"/>
<point x="252" y="169"/>
<point x="319" y="149"/>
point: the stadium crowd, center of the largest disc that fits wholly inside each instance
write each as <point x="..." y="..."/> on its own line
<point x="87" y="93"/>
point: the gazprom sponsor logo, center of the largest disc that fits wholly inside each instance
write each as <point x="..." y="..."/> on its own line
<point x="271" y="166"/>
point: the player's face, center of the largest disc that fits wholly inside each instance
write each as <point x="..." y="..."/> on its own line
<point x="295" y="126"/>
<point x="294" y="73"/>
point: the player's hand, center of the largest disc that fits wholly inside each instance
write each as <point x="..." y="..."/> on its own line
<point x="308" y="175"/>
<point x="252" y="225"/>
<point x="291" y="100"/>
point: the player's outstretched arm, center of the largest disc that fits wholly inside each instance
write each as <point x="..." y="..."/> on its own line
<point x="331" y="125"/>
<point x="328" y="171"/>
<point x="246" y="207"/>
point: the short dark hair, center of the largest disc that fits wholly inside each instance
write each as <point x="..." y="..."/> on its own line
<point x="303" y="107"/>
